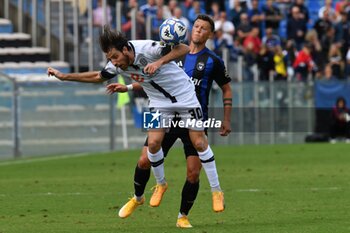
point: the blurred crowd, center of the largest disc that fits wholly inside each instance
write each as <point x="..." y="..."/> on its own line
<point x="278" y="38"/>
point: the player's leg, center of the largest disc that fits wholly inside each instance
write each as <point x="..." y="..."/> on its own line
<point x="156" y="157"/>
<point x="159" y="189"/>
<point x="191" y="186"/>
<point x="141" y="177"/>
<point x="206" y="156"/>
<point x="189" y="191"/>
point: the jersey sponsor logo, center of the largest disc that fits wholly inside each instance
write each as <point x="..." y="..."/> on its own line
<point x="137" y="78"/>
<point x="200" y="66"/>
<point x="179" y="64"/>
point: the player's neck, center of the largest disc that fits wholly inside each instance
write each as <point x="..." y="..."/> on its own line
<point x="196" y="48"/>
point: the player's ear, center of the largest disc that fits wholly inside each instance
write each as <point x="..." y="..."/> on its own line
<point x="125" y="50"/>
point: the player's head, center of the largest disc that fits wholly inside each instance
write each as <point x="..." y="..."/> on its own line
<point x="202" y="29"/>
<point x="116" y="47"/>
<point x="341" y="102"/>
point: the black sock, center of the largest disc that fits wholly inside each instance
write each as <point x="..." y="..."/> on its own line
<point x="141" y="178"/>
<point x="189" y="194"/>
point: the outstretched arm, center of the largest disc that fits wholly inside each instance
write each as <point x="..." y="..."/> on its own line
<point x="227" y="99"/>
<point x="117" y="87"/>
<point x="177" y="52"/>
<point x="88" y="77"/>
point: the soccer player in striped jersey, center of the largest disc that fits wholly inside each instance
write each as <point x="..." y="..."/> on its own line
<point x="168" y="87"/>
<point x="204" y="67"/>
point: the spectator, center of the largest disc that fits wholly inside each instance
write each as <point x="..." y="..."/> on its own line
<point x="316" y="51"/>
<point x="328" y="7"/>
<point x="253" y="41"/>
<point x="273" y="16"/>
<point x="149" y="9"/>
<point x="172" y="5"/>
<point x="304" y="12"/>
<point x="226" y="26"/>
<point x="165" y="9"/>
<point x="322" y="25"/>
<point x="296" y="28"/>
<point x="335" y="60"/>
<point x="265" y="63"/>
<point x="256" y="16"/>
<point x="215" y="11"/>
<point x="340" y="122"/>
<point x="195" y="10"/>
<point x="244" y="27"/>
<point x="251" y="45"/>
<point x="342" y="33"/>
<point x="280" y="64"/>
<point x="209" y="6"/>
<point x="235" y="13"/>
<point x="156" y="22"/>
<point x="271" y="40"/>
<point x="303" y="63"/>
<point x="98" y="15"/>
<point x="347" y="67"/>
<point x="327" y="74"/>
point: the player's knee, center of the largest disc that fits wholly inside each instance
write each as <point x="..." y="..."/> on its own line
<point x="154" y="145"/>
<point x="200" y="144"/>
<point x="193" y="175"/>
<point x="144" y="163"/>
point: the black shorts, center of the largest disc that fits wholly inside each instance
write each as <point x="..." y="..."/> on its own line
<point x="171" y="137"/>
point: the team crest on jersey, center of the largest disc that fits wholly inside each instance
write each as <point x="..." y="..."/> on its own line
<point x="200" y="66"/>
<point x="143" y="61"/>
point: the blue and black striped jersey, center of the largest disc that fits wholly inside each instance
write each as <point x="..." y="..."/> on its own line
<point x="203" y="68"/>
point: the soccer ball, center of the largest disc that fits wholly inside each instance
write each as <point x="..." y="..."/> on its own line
<point x="172" y="31"/>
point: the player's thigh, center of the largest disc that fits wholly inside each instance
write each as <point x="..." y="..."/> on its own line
<point x="144" y="162"/>
<point x="199" y="140"/>
<point x="193" y="168"/>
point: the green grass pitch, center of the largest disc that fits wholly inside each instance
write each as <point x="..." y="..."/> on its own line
<point x="285" y="188"/>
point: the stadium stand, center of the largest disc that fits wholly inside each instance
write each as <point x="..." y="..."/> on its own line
<point x="22" y="61"/>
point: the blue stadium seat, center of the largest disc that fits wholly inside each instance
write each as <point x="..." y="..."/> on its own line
<point x="5" y="26"/>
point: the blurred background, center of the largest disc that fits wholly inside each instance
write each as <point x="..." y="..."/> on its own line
<point x="289" y="61"/>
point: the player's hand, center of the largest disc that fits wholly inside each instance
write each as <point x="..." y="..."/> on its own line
<point x="225" y="128"/>
<point x="151" y="68"/>
<point x="116" y="87"/>
<point x="53" y="72"/>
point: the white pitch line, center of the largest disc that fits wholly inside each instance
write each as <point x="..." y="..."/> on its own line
<point x="34" y="160"/>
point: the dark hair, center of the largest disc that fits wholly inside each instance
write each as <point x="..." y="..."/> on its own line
<point x="112" y="39"/>
<point x="341" y="99"/>
<point x="208" y="19"/>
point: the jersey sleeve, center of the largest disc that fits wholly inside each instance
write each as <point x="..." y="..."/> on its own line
<point x="220" y="74"/>
<point x="158" y="49"/>
<point x="109" y="71"/>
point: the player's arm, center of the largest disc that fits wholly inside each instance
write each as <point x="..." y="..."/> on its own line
<point x="88" y="77"/>
<point x="117" y="87"/>
<point x="227" y="101"/>
<point x="175" y="53"/>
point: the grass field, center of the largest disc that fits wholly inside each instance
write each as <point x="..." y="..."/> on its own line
<point x="285" y="188"/>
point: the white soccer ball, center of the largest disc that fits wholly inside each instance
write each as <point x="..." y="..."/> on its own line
<point x="172" y="31"/>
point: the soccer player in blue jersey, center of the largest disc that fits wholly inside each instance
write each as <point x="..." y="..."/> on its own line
<point x="204" y="67"/>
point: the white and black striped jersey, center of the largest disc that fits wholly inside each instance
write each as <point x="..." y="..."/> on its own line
<point x="168" y="87"/>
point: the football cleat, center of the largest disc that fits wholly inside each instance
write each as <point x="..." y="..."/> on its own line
<point x="183" y="222"/>
<point x="218" y="201"/>
<point x="130" y="206"/>
<point x="157" y="195"/>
